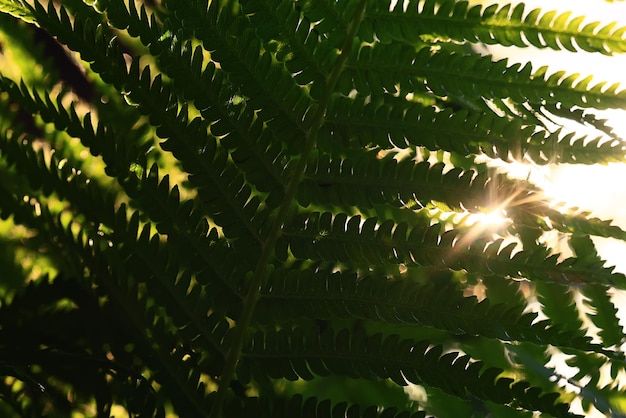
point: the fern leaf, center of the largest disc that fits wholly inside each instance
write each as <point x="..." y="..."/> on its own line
<point x="287" y="30"/>
<point x="211" y="94"/>
<point x="582" y="117"/>
<point x="452" y="74"/>
<point x="160" y="203"/>
<point x="353" y="240"/>
<point x="604" y="315"/>
<point x="17" y="8"/>
<point x="505" y="25"/>
<point x="337" y="181"/>
<point x="234" y="45"/>
<point x="140" y="255"/>
<point x="583" y="223"/>
<point x="153" y="95"/>
<point x="32" y="341"/>
<point x="260" y="166"/>
<point x="559" y="306"/>
<point x="364" y="180"/>
<point x="326" y="295"/>
<point x="603" y="311"/>
<point x="304" y="352"/>
<point x="374" y="122"/>
<point x="187" y="389"/>
<point x="297" y="407"/>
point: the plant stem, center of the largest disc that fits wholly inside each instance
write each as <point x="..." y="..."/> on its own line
<point x="267" y="251"/>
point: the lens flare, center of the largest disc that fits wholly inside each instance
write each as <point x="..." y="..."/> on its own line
<point x="490" y="220"/>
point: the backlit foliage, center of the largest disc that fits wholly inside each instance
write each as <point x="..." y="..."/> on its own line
<point x="281" y="208"/>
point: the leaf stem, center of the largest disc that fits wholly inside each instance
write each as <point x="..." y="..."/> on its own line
<point x="267" y="251"/>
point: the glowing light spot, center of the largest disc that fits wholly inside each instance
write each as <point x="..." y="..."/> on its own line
<point x="483" y="225"/>
<point x="495" y="218"/>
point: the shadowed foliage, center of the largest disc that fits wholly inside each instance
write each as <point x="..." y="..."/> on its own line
<point x="282" y="208"/>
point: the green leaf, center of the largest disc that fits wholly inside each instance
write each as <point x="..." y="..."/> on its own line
<point x="18" y="9"/>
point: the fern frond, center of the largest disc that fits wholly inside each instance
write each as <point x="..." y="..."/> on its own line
<point x="603" y="311"/>
<point x="153" y="195"/>
<point x="54" y="347"/>
<point x="17" y="8"/>
<point x="300" y="353"/>
<point x="366" y="179"/>
<point x="298" y="407"/>
<point x="453" y="74"/>
<point x="157" y="200"/>
<point x="559" y="306"/>
<point x="264" y="176"/>
<point x="530" y="210"/>
<point x="190" y="142"/>
<point x="604" y="315"/>
<point x="375" y="122"/>
<point x="288" y="31"/>
<point x="30" y="213"/>
<point x="494" y="24"/>
<point x="582" y="117"/>
<point x="253" y="148"/>
<point x="233" y="43"/>
<point x="152" y="332"/>
<point x="138" y="258"/>
<point x="351" y="239"/>
<point x="326" y="295"/>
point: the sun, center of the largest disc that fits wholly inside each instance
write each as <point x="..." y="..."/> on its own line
<point x="494" y="218"/>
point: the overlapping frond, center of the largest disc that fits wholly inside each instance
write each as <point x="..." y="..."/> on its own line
<point x="257" y="194"/>
<point x="301" y="353"/>
<point x="506" y="25"/>
<point x="343" y="238"/>
<point x="253" y="149"/>
<point x="298" y="407"/>
<point x="381" y="68"/>
<point x="18" y="9"/>
<point x="326" y="295"/>
<point x="123" y="281"/>
<point x="376" y="122"/>
<point x="234" y="44"/>
<point x="198" y="150"/>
